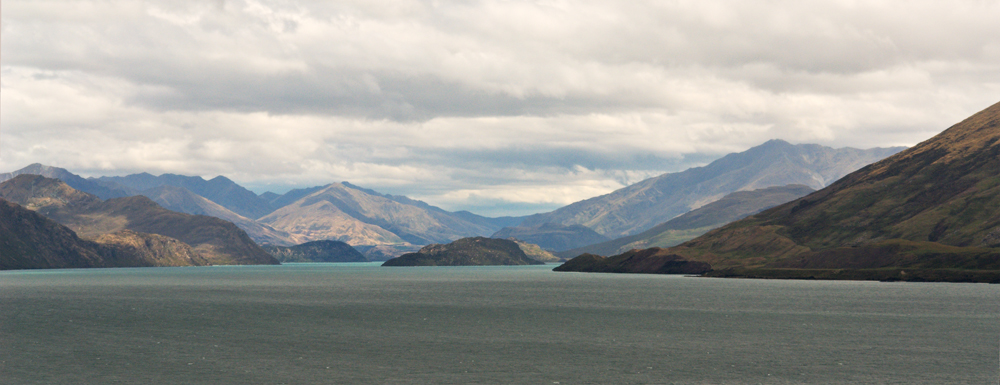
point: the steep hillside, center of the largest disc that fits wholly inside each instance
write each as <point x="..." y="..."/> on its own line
<point x="29" y="240"/>
<point x="696" y="222"/>
<point x="643" y="205"/>
<point x="181" y="200"/>
<point x="477" y="251"/>
<point x="216" y="240"/>
<point x="318" y="251"/>
<point x="220" y="190"/>
<point x="552" y="236"/>
<point x="931" y="212"/>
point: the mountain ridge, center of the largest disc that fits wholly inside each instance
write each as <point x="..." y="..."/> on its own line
<point x="640" y="206"/>
<point x="931" y="212"/>
<point x="690" y="225"/>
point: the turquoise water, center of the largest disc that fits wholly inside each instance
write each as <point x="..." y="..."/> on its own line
<point x="360" y="323"/>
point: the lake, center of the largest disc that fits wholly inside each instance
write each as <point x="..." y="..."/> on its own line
<point x="365" y="324"/>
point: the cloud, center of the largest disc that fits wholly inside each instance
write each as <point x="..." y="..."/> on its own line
<point x="477" y="104"/>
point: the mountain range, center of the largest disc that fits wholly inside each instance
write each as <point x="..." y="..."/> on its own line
<point x="931" y="212"/>
<point x="640" y="206"/>
<point x="388" y="225"/>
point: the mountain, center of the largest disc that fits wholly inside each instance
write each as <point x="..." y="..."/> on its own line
<point x="553" y="236"/>
<point x="477" y="251"/>
<point x="318" y="251"/>
<point x="101" y="190"/>
<point x="696" y="222"/>
<point x="931" y="212"/>
<point x="29" y="240"/>
<point x="638" y="207"/>
<point x="220" y="190"/>
<point x="363" y="217"/>
<point x="181" y="200"/>
<point x="217" y="241"/>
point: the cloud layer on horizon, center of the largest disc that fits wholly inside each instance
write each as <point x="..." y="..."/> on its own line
<point x="508" y="107"/>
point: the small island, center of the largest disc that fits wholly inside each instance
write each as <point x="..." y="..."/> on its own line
<point x="316" y="251"/>
<point x="475" y="251"/>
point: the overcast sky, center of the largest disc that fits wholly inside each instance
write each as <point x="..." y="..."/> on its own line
<point x="498" y="107"/>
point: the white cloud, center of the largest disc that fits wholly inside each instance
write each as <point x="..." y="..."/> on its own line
<point x="482" y="102"/>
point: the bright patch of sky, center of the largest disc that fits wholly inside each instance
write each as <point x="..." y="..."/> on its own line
<point x="497" y="107"/>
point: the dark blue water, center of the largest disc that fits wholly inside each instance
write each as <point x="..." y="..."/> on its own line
<point x="360" y="323"/>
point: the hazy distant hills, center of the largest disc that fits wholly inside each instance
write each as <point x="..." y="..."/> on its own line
<point x="931" y="212"/>
<point x="552" y="236"/>
<point x="213" y="239"/>
<point x="363" y="217"/>
<point x="696" y="222"/>
<point x="220" y="190"/>
<point x="638" y="207"/>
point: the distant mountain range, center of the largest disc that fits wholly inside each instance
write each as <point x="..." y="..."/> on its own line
<point x="930" y="213"/>
<point x="220" y="190"/>
<point x="396" y="224"/>
<point x="338" y="211"/>
<point x="696" y="222"/>
<point x="638" y="207"/>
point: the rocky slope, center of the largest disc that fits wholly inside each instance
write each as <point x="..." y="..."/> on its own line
<point x="318" y="251"/>
<point x="643" y="205"/>
<point x="215" y="240"/>
<point x="696" y="222"/>
<point x="477" y="251"/>
<point x="931" y="212"/>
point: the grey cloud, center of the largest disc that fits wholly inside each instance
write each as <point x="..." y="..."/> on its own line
<point x="490" y="103"/>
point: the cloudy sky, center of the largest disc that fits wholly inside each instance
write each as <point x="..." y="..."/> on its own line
<point x="498" y="107"/>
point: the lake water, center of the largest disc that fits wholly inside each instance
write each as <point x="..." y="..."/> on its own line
<point x="364" y="324"/>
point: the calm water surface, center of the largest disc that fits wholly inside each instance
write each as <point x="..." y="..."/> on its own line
<point x="364" y="324"/>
